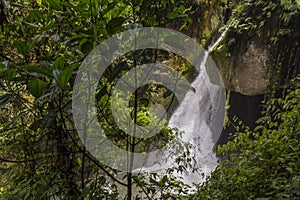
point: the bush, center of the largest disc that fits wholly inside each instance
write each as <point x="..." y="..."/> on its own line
<point x="266" y="167"/>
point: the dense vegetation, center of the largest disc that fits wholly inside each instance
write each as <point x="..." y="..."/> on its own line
<point x="44" y="42"/>
<point x="264" y="163"/>
<point x="266" y="167"/>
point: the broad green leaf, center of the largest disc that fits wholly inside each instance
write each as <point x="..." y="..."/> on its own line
<point x="21" y="47"/>
<point x="31" y="44"/>
<point x="58" y="64"/>
<point x="39" y="70"/>
<point x="64" y="76"/>
<point x="9" y="74"/>
<point x="36" y="87"/>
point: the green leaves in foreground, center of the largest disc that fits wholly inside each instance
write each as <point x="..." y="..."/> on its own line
<point x="42" y="45"/>
<point x="266" y="167"/>
<point x="36" y="87"/>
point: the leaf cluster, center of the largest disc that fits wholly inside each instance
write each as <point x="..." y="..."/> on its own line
<point x="267" y="166"/>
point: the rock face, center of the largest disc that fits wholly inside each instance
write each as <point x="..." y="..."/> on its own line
<point x="245" y="72"/>
<point x="250" y="74"/>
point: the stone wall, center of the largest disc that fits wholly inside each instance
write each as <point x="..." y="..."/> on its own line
<point x="245" y="72"/>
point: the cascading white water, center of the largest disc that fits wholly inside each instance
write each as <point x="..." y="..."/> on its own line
<point x="193" y="117"/>
<point x="196" y="117"/>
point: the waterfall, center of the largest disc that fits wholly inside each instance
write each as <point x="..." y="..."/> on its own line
<point x="194" y="118"/>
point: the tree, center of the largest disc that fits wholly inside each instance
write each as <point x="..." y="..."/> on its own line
<point x="42" y="47"/>
<point x="267" y="166"/>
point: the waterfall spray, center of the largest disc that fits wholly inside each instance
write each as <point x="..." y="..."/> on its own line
<point x="193" y="117"/>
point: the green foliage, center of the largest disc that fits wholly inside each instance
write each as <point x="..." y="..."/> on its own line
<point x="268" y="25"/>
<point x="36" y="87"/>
<point x="41" y="48"/>
<point x="255" y="17"/>
<point x="271" y="21"/>
<point x="266" y="167"/>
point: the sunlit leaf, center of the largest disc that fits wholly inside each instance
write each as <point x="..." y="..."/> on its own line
<point x="39" y="2"/>
<point x="58" y="64"/>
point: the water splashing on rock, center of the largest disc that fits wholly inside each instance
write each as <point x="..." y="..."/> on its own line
<point x="195" y="117"/>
